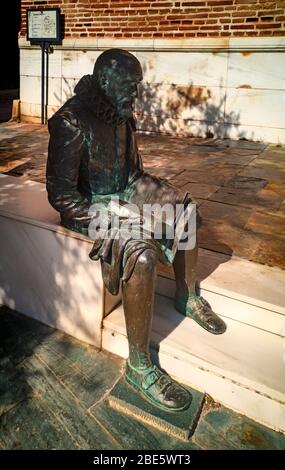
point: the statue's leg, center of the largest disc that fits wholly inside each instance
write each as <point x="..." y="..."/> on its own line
<point x="184" y="265"/>
<point x="138" y="300"/>
<point x="186" y="300"/>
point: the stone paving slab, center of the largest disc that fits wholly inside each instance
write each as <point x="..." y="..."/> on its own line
<point x="247" y="177"/>
<point x="222" y="429"/>
<point x="261" y="199"/>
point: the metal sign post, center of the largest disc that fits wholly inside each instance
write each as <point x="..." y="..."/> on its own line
<point x="43" y="84"/>
<point x="43" y="28"/>
<point x="46" y="50"/>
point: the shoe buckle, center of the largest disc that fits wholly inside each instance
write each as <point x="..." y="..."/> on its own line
<point x="149" y="379"/>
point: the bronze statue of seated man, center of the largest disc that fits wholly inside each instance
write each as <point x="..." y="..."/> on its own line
<point x="93" y="153"/>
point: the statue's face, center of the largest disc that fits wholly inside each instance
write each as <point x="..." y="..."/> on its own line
<point x="121" y="88"/>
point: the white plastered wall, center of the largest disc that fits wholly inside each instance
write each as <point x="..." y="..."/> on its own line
<point x="222" y="87"/>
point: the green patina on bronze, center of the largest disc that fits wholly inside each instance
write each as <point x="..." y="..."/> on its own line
<point x="92" y="156"/>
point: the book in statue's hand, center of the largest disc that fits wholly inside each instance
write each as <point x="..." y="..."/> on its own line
<point x="169" y="225"/>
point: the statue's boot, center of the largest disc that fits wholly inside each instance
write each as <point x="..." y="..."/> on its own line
<point x="197" y="308"/>
<point x="158" y="387"/>
<point x="186" y="300"/>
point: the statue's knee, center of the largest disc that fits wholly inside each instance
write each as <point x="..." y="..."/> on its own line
<point x="147" y="260"/>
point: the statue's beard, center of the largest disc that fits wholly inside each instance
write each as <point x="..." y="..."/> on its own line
<point x="124" y="108"/>
<point x="114" y="112"/>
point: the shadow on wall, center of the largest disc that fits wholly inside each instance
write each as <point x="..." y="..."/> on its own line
<point x="68" y="86"/>
<point x="185" y="110"/>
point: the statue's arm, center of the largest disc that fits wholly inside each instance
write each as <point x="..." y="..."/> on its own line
<point x="66" y="147"/>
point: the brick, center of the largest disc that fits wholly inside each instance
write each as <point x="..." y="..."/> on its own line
<point x="270" y="12"/>
<point x="194" y="4"/>
<point x="268" y="25"/>
<point x="118" y="6"/>
<point x="218" y="15"/>
<point x="196" y="11"/>
<point x="219" y="3"/>
<point x="244" y="13"/>
<point x="242" y="26"/>
<point x="245" y="2"/>
<point x="145" y="28"/>
<point x="135" y="4"/>
<point x="210" y="28"/>
<point x="163" y="4"/>
<point x="199" y="15"/>
<point x="187" y="28"/>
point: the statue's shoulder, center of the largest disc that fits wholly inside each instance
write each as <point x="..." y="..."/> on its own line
<point x="68" y="114"/>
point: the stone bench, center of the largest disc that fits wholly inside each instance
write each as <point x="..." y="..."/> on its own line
<point x="46" y="272"/>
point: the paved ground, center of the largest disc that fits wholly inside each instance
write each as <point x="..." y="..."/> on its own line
<point x="239" y="185"/>
<point x="53" y="392"/>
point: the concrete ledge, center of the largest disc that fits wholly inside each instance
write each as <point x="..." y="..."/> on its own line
<point x="192" y="44"/>
<point x="45" y="271"/>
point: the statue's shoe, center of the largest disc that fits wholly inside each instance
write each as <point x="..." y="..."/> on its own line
<point x="199" y="309"/>
<point x="158" y="388"/>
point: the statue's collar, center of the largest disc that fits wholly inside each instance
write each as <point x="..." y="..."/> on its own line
<point x="93" y="98"/>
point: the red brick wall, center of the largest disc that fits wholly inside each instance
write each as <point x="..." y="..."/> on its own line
<point x="165" y="18"/>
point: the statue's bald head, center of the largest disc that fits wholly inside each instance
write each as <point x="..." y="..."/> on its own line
<point x="118" y="60"/>
<point x="118" y="73"/>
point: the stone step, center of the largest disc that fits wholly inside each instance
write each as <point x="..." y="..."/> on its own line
<point x="237" y="289"/>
